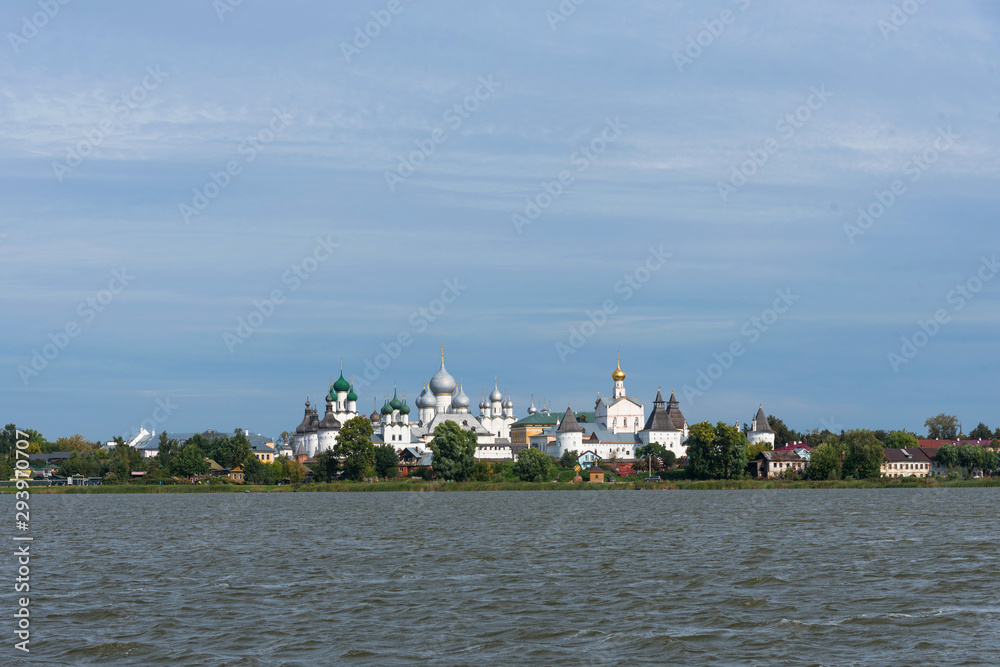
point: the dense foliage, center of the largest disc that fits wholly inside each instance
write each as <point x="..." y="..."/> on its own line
<point x="454" y="452"/>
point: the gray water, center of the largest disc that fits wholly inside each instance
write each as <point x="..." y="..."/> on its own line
<point x="835" y="577"/>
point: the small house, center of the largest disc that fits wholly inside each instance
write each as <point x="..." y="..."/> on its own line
<point x="597" y="475"/>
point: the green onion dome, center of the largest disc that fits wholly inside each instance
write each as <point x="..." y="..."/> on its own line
<point x="341" y="384"/>
<point x="351" y="396"/>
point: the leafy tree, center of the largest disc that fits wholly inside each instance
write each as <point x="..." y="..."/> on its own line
<point x="718" y="452"/>
<point x="968" y="458"/>
<point x="863" y="454"/>
<point x="532" y="465"/>
<point x="454" y="452"/>
<point x="8" y="440"/>
<point x="231" y="452"/>
<point x="754" y="450"/>
<point x="292" y="470"/>
<point x="483" y="472"/>
<point x="354" y="446"/>
<point x="284" y="438"/>
<point x="651" y="456"/>
<point x="569" y="458"/>
<point x="825" y="462"/>
<point x="386" y="461"/>
<point x="166" y="451"/>
<point x="981" y="432"/>
<point x="74" y="443"/>
<point x="256" y="472"/>
<point x="948" y="456"/>
<point x="782" y="434"/>
<point x="942" y="427"/>
<point x="189" y="461"/>
<point x="326" y="467"/>
<point x="815" y="437"/>
<point x="82" y="464"/>
<point x="900" y="440"/>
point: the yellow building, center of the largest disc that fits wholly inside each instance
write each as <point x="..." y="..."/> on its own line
<point x="265" y="453"/>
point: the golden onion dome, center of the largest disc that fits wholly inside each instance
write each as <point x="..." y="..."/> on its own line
<point x="619" y="374"/>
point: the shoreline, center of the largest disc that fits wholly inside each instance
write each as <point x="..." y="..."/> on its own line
<point x="430" y="487"/>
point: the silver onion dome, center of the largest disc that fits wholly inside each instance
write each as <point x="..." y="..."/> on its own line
<point x="425" y="399"/>
<point x="495" y="395"/>
<point x="442" y="384"/>
<point x="460" y="400"/>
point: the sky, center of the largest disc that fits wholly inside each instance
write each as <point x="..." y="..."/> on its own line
<point x="206" y="205"/>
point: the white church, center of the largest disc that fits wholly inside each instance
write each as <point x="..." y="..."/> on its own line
<point x="620" y="425"/>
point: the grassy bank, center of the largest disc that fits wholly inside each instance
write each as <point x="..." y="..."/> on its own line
<point x="414" y="485"/>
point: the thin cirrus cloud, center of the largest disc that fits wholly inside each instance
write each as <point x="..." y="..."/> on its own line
<point x="656" y="185"/>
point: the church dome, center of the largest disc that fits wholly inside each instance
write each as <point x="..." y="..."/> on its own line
<point x="495" y="395"/>
<point x="395" y="403"/>
<point x="404" y="409"/>
<point x="425" y="399"/>
<point x="531" y="408"/>
<point x="386" y="408"/>
<point x="508" y="403"/>
<point x="351" y="396"/>
<point x="442" y="384"/>
<point x="460" y="400"/>
<point x="484" y="404"/>
<point x="618" y="375"/>
<point x="341" y="384"/>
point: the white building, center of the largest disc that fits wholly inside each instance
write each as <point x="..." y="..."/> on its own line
<point x="666" y="426"/>
<point x="759" y="430"/>
<point x="620" y="414"/>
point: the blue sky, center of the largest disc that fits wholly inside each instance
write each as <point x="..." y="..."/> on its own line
<point x="686" y="115"/>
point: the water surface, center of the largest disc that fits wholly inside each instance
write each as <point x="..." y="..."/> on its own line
<point x="832" y="577"/>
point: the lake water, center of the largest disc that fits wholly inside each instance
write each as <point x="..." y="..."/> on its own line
<point x="833" y="577"/>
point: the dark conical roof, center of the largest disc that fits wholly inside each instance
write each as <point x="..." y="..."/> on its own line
<point x="760" y="421"/>
<point x="675" y="414"/>
<point x="660" y="418"/>
<point x="569" y="423"/>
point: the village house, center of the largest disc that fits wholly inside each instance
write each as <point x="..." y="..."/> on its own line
<point x="911" y="462"/>
<point x="770" y="464"/>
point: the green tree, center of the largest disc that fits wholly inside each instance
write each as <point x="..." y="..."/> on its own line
<point x="652" y="457"/>
<point x="900" y="440"/>
<point x="532" y="465"/>
<point x="285" y="438"/>
<point x="326" y="467"/>
<point x="256" y="472"/>
<point x="167" y="451"/>
<point x="825" y="462"/>
<point x="80" y="463"/>
<point x="718" y="452"/>
<point x="354" y="446"/>
<point x="231" y="452"/>
<point x="454" y="452"/>
<point x="190" y="460"/>
<point x="74" y="443"/>
<point x="8" y="440"/>
<point x="483" y="472"/>
<point x="754" y="450"/>
<point x="981" y="432"/>
<point x="942" y="427"/>
<point x="386" y="462"/>
<point x="863" y="454"/>
<point x="293" y="471"/>
<point x="569" y="458"/>
<point x="782" y="434"/>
